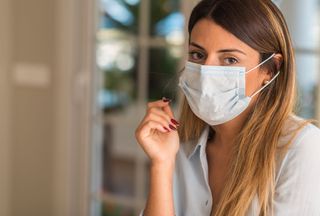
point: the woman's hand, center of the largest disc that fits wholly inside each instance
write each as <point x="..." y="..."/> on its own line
<point x="157" y="133"/>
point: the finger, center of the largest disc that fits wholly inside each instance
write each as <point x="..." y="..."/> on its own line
<point x="164" y="104"/>
<point x="145" y="129"/>
<point x="152" y="125"/>
<point x="167" y="109"/>
<point x="171" y="122"/>
<point x="168" y="122"/>
<point x="159" y="103"/>
<point x="158" y="118"/>
<point x="160" y="112"/>
<point x="167" y="113"/>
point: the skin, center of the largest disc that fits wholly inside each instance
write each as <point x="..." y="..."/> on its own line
<point x="209" y="44"/>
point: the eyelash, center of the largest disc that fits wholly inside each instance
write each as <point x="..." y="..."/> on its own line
<point x="235" y="61"/>
<point x="226" y="60"/>
<point x="191" y="53"/>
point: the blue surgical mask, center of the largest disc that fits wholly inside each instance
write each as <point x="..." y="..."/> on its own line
<point x="216" y="94"/>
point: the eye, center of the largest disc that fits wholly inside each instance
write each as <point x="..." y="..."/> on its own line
<point x="230" y="61"/>
<point x="196" y="56"/>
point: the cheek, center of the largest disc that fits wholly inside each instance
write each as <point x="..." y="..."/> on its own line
<point x="253" y="83"/>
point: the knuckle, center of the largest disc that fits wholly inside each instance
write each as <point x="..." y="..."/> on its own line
<point x="149" y="105"/>
<point x="138" y="136"/>
<point x="155" y="111"/>
<point x="137" y="132"/>
<point x="166" y="116"/>
<point x="152" y="109"/>
<point x="150" y="124"/>
<point x="150" y="115"/>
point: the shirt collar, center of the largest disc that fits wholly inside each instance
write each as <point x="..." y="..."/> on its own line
<point x="191" y="147"/>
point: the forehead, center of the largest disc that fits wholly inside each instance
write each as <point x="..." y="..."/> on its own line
<point x="213" y="37"/>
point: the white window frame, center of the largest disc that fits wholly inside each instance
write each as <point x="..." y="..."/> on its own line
<point x="145" y="42"/>
<point x="75" y="28"/>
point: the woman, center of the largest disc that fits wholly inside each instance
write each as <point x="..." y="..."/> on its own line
<point x="242" y="151"/>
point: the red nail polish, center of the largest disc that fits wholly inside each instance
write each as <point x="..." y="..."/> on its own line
<point x="166" y="100"/>
<point x="172" y="127"/>
<point x="175" y="122"/>
<point x="166" y="129"/>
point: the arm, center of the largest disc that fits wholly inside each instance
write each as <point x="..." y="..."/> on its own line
<point x="160" y="199"/>
<point x="158" y="137"/>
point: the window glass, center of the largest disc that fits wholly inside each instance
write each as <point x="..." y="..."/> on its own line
<point x="163" y="78"/>
<point x="136" y="65"/>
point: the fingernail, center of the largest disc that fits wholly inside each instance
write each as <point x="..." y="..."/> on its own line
<point x="166" y="100"/>
<point x="175" y="122"/>
<point x="172" y="127"/>
<point x="166" y="129"/>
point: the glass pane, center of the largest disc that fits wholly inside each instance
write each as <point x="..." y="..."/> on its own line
<point x="166" y="19"/>
<point x="308" y="82"/>
<point x="164" y="71"/>
<point x="117" y="59"/>
<point x="118" y="176"/>
<point x="120" y="14"/>
<point x="116" y="210"/>
<point x="125" y="166"/>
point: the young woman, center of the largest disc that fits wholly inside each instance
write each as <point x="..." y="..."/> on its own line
<point x="242" y="151"/>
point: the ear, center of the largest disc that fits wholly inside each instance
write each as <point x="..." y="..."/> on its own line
<point x="278" y="59"/>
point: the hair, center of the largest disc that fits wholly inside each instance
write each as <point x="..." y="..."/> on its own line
<point x="261" y="25"/>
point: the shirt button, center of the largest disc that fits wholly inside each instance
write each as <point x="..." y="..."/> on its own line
<point x="207" y="202"/>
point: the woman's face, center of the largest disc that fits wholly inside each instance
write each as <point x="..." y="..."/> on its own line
<point x="210" y="44"/>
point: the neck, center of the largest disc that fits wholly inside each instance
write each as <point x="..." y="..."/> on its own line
<point x="225" y="134"/>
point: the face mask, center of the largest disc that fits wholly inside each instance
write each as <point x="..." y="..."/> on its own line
<point x="216" y="94"/>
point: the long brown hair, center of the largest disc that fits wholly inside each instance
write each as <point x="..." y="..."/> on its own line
<point x="261" y="25"/>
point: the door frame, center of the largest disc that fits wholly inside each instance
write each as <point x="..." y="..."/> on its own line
<point x="75" y="23"/>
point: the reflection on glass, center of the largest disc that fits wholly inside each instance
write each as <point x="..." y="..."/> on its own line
<point x="117" y="58"/>
<point x="117" y="52"/>
<point x="120" y="14"/>
<point x="116" y="210"/>
<point x="167" y="21"/>
<point x="308" y="82"/>
<point x="125" y="167"/>
<point x="118" y="178"/>
<point x="163" y="75"/>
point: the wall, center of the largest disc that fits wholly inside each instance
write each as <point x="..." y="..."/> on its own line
<point x="4" y="106"/>
<point x="32" y="110"/>
<point x="46" y="65"/>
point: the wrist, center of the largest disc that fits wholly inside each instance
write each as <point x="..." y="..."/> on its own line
<point x="165" y="166"/>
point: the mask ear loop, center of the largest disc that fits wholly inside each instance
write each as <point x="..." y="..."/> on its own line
<point x="261" y="63"/>
<point x="261" y="89"/>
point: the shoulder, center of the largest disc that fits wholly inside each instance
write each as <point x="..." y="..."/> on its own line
<point x="306" y="138"/>
<point x="303" y="135"/>
<point x="303" y="152"/>
<point x="305" y="147"/>
<point x="298" y="176"/>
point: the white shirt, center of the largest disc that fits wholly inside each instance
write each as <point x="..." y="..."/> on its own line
<point x="297" y="178"/>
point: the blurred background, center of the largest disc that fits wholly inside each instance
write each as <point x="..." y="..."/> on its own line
<point x="75" y="76"/>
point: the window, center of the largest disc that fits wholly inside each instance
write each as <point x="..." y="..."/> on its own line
<point x="303" y="21"/>
<point x="139" y="48"/>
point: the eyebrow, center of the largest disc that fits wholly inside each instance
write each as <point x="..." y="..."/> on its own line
<point x="231" y="50"/>
<point x="220" y="51"/>
<point x="197" y="45"/>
